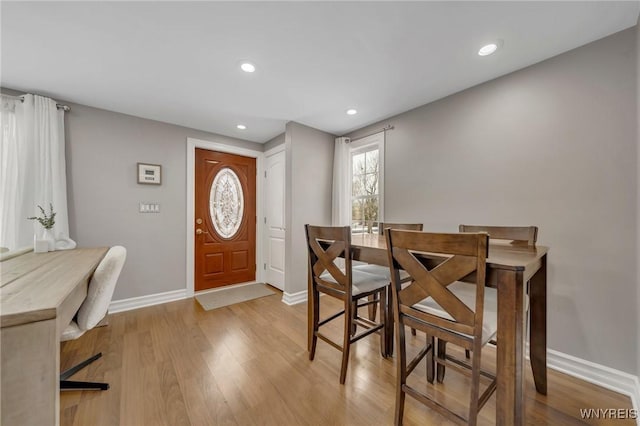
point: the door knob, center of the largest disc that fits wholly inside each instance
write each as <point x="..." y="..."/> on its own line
<point x="198" y="231"/>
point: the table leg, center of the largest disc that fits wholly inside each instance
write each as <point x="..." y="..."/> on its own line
<point x="538" y="337"/>
<point x="30" y="364"/>
<point x="510" y="356"/>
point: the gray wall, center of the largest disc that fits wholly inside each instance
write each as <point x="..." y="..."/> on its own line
<point x="638" y="171"/>
<point x="552" y="145"/>
<point x="103" y="148"/>
<point x="272" y="143"/>
<point x="309" y="174"/>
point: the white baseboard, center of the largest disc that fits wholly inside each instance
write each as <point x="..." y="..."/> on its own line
<point x="294" y="298"/>
<point x="609" y="378"/>
<point x="149" y="300"/>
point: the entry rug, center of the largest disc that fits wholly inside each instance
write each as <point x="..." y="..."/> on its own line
<point x="231" y="296"/>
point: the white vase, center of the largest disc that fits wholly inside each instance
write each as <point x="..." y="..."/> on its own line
<point x="40" y="246"/>
<point x="51" y="241"/>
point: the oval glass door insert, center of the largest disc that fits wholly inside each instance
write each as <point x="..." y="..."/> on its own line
<point x="226" y="203"/>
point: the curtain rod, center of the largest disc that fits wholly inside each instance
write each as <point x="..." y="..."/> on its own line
<point x="384" y="129"/>
<point x="65" y="108"/>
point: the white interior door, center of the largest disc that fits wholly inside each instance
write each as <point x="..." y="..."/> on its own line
<point x="274" y="220"/>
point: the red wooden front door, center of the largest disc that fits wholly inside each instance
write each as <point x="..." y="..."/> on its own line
<point x="225" y="219"/>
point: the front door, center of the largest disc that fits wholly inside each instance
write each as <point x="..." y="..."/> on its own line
<point x="225" y="219"/>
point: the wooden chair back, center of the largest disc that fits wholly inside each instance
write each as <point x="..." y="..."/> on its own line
<point x="403" y="226"/>
<point x="325" y="245"/>
<point x="524" y="235"/>
<point x="434" y="261"/>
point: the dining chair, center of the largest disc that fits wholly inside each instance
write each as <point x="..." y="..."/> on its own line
<point x="326" y="245"/>
<point x="92" y="311"/>
<point x="436" y="303"/>
<point x="384" y="270"/>
<point x="517" y="236"/>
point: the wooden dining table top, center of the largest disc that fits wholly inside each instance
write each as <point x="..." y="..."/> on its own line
<point x="33" y="286"/>
<point x="502" y="255"/>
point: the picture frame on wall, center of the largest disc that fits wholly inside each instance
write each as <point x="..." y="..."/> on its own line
<point x="149" y="174"/>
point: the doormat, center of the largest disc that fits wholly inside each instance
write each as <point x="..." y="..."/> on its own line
<point x="231" y="296"/>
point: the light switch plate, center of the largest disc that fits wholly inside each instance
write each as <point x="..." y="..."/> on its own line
<point x="149" y="208"/>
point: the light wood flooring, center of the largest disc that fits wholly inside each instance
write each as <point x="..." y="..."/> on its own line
<point x="247" y="364"/>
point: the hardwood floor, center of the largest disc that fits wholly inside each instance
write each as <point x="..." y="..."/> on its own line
<point x="246" y="364"/>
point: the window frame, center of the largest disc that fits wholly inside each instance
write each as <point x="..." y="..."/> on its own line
<point x="361" y="145"/>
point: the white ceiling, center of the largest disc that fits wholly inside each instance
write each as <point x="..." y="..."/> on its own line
<point x="179" y="62"/>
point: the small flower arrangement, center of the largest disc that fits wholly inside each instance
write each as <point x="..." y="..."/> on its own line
<point x="47" y="221"/>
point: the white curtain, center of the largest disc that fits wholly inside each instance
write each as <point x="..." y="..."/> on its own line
<point x="341" y="195"/>
<point x="33" y="170"/>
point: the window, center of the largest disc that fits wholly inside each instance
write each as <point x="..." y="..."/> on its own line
<point x="366" y="165"/>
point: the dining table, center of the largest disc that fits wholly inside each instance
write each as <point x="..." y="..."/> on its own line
<point x="518" y="272"/>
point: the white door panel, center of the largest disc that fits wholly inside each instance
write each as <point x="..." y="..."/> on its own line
<point x="276" y="250"/>
<point x="275" y="224"/>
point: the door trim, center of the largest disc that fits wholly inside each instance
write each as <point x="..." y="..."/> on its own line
<point x="274" y="150"/>
<point x="192" y="144"/>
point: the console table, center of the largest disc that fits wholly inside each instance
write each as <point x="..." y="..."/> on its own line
<point x="39" y="295"/>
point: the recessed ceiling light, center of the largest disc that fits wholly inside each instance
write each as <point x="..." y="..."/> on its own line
<point x="247" y="67"/>
<point x="241" y="127"/>
<point x="488" y="49"/>
<point x="352" y="111"/>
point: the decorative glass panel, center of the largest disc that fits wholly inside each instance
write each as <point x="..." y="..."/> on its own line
<point x="226" y="203"/>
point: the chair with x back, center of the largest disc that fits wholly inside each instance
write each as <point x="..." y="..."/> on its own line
<point x="436" y="303"/>
<point x="384" y="270"/>
<point x="516" y="236"/>
<point x="326" y="245"/>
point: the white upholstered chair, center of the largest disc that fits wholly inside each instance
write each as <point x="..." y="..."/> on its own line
<point x="93" y="310"/>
